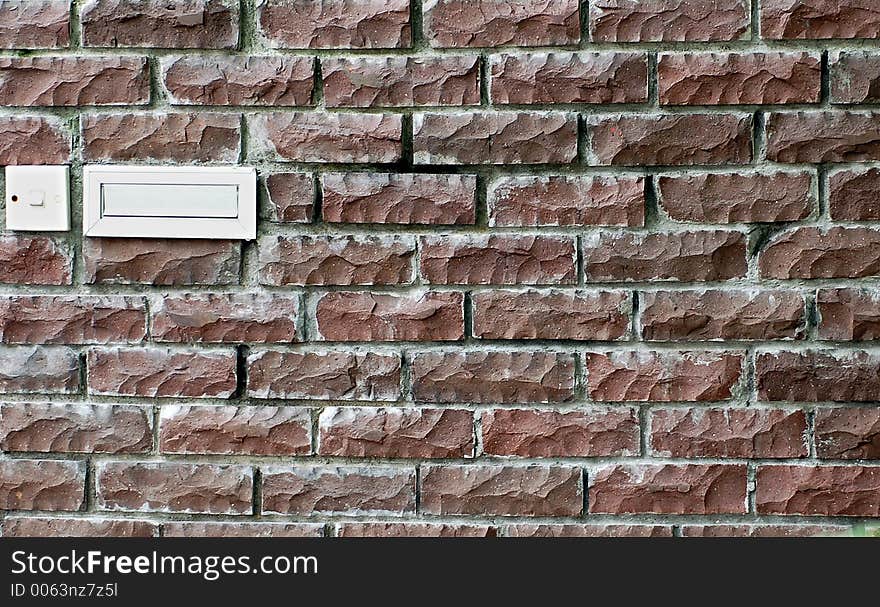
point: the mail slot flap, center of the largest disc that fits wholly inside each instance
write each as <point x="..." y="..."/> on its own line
<point x="167" y="200"/>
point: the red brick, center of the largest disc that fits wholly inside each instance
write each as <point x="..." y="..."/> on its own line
<point x="336" y="23"/>
<point x="855" y="77"/>
<point x="31" y="24"/>
<point x="533" y="490"/>
<point x="77" y="527"/>
<point x="697" y="256"/>
<point x="399" y="198"/>
<point x="495" y="138"/>
<point x="848" y="433"/>
<point x="569" y="78"/>
<point x="39" y="370"/>
<point x="669" y="139"/>
<point x="744" y="433"/>
<point x="420" y="316"/>
<point x="737" y="197"/>
<point x="225" y="318"/>
<point x="241" y="529"/>
<point x="576" y="530"/>
<point x="290" y="198"/>
<point x="71" y="319"/>
<point x="818" y="375"/>
<point x="174" y="487"/>
<point x="352" y="490"/>
<point x="395" y="432"/>
<point x="68" y="81"/>
<point x="567" y="201"/>
<point x="662" y="376"/>
<point x="818" y="490"/>
<point x="668" y="489"/>
<point x="497" y="260"/>
<point x="819" y="19"/>
<point x="166" y="137"/>
<point x="400" y="81"/>
<point x="159" y="24"/>
<point x="161" y="372"/>
<point x="489" y="23"/>
<point x="551" y="314"/>
<point x="763" y="530"/>
<point x="412" y="530"/>
<point x="848" y="314"/>
<point x="823" y="136"/>
<point x="594" y="432"/>
<point x="325" y="374"/>
<point x="854" y="195"/>
<point x="75" y="428"/>
<point x="821" y="252"/>
<point x="32" y="140"/>
<point x="34" y="260"/>
<point x="31" y="484"/>
<point x="492" y="377"/>
<point x="231" y="430"/>
<point x="326" y="137"/>
<point x="739" y="78"/>
<point x="336" y="260"/>
<point x="722" y="314"/>
<point x="668" y="20"/>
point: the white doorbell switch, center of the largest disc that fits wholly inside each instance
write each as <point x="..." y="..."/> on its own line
<point x="37" y="198"/>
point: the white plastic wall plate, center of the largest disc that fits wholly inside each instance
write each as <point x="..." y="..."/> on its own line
<point x="170" y="202"/>
<point x="38" y="198"/>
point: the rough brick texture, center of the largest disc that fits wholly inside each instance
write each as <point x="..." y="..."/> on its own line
<point x="523" y="268"/>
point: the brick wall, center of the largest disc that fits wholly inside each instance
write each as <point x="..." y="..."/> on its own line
<point x="523" y="267"/>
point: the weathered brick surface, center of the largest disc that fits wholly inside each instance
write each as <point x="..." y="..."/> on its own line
<point x="34" y="260"/>
<point x="578" y="530"/>
<point x="30" y="24"/>
<point x="290" y="198"/>
<point x="668" y="20"/>
<point x="848" y="314"/>
<point x="413" y="530"/>
<point x="785" y="19"/>
<point x="823" y="136"/>
<point x="763" y="530"/>
<point x="77" y="527"/>
<point x="848" y="433"/>
<point x="33" y="140"/>
<point x="29" y="484"/>
<point x="818" y="490"/>
<point x="39" y="370"/>
<point x="198" y="529"/>
<point x="817" y="375"/>
<point x="854" y="195"/>
<point x="855" y="77"/>
<point x="69" y="319"/>
<point x="822" y="253"/>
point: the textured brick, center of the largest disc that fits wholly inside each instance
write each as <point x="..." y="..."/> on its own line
<point x="77" y="527"/>
<point x="855" y="77"/>
<point x="336" y="260"/>
<point x="737" y="197"/>
<point x="32" y="140"/>
<point x="325" y="137"/>
<point x="399" y="198"/>
<point x="575" y="530"/>
<point x="174" y="487"/>
<point x="290" y="198"/>
<point x="38" y="370"/>
<point x="336" y="23"/>
<point x="848" y="433"/>
<point x="242" y="529"/>
<point x="816" y="136"/>
<point x="492" y="376"/>
<point x="34" y="260"/>
<point x="854" y="195"/>
<point x="551" y="314"/>
<point x="67" y="81"/>
<point x="668" y="20"/>
<point x="412" y="530"/>
<point x="594" y="432"/>
<point x="161" y="372"/>
<point x="533" y="490"/>
<point x="848" y="314"/>
<point x="342" y="489"/>
<point x="497" y="259"/>
<point x="818" y="490"/>
<point x="420" y="316"/>
<point x="818" y="375"/>
<point x="324" y="374"/>
<point x="722" y="314"/>
<point x="662" y="376"/>
<point x="71" y="319"/>
<point x="30" y="484"/>
<point x="225" y="318"/>
<point x="488" y="23"/>
<point x="231" y="430"/>
<point x="810" y="252"/>
<point x="680" y="256"/>
<point x="254" y="80"/>
<point x="495" y="138"/>
<point x="567" y="201"/>
<point x="819" y="19"/>
<point x="738" y="78"/>
<point x="161" y="262"/>
<point x="400" y="81"/>
<point x="395" y="432"/>
<point x="175" y="137"/>
<point x="569" y="78"/>
<point x="762" y="530"/>
<point x="75" y="428"/>
<point x="160" y="24"/>
<point x="668" y="489"/>
<point x="670" y="139"/>
<point x="30" y="24"/>
<point x="745" y="433"/>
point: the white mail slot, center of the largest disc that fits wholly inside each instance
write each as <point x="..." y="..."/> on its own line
<point x="170" y="202"/>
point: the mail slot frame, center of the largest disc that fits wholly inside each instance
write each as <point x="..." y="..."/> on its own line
<point x="242" y="227"/>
